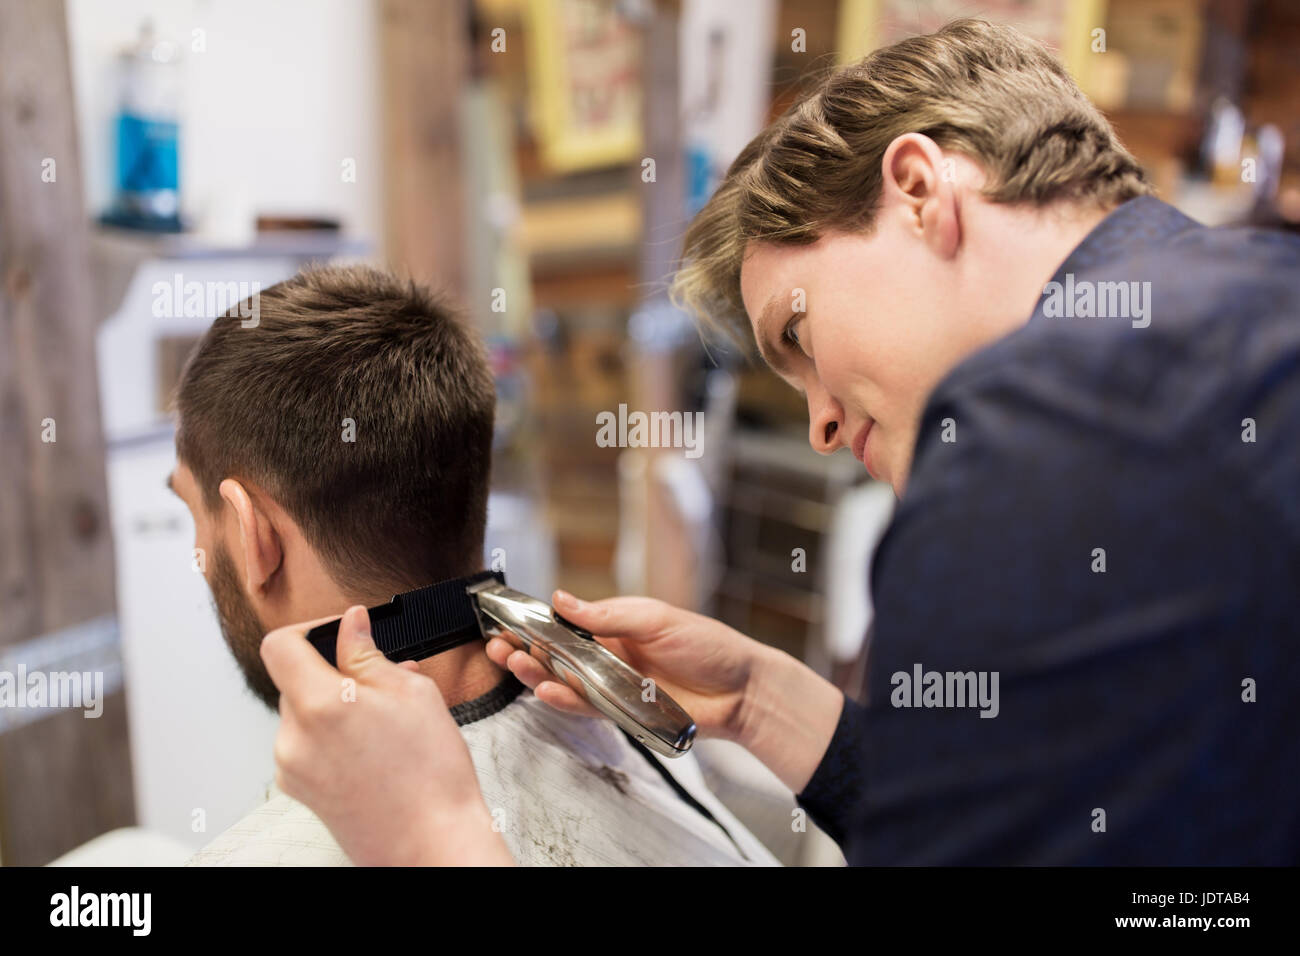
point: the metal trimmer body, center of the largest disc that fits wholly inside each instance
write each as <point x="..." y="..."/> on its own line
<point x="593" y="671"/>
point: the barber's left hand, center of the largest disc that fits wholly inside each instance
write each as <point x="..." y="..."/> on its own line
<point x="372" y="749"/>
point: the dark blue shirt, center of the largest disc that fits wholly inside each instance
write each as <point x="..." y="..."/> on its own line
<point x="1105" y="513"/>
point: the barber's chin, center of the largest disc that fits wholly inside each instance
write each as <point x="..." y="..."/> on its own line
<point x="873" y="459"/>
<point x="896" y="476"/>
<point x="879" y="467"/>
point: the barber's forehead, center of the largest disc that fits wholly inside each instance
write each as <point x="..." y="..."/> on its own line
<point x="758" y="271"/>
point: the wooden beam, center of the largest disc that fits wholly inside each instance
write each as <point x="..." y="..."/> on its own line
<point x="671" y="564"/>
<point x="63" y="778"/>
<point x="663" y="213"/>
<point x="425" y="56"/>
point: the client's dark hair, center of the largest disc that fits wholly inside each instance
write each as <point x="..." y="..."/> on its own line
<point x="403" y="504"/>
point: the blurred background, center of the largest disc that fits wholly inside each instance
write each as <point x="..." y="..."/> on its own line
<point x="537" y="160"/>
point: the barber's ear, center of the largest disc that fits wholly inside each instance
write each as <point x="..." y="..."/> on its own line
<point x="919" y="183"/>
<point x="259" y="542"/>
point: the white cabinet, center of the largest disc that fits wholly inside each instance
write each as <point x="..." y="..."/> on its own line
<point x="200" y="741"/>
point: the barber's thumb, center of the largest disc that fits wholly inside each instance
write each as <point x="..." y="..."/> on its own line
<point x="612" y="617"/>
<point x="572" y="608"/>
<point x="355" y="648"/>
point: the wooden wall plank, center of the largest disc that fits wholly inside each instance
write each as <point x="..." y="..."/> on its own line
<point x="63" y="779"/>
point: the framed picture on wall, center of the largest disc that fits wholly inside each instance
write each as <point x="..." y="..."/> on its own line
<point x="1065" y="26"/>
<point x="584" y="60"/>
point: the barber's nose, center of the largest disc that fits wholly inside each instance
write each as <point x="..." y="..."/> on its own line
<point x="824" y="424"/>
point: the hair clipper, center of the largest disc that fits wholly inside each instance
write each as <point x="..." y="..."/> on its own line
<point x="424" y="622"/>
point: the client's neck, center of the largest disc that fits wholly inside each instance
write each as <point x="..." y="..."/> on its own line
<point x="462" y="673"/>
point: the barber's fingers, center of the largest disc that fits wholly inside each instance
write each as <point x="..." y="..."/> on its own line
<point x="299" y="671"/>
<point x="533" y="674"/>
<point x="527" y="668"/>
<point x="627" y="617"/>
<point x="565" y="698"/>
<point x="355" y="649"/>
<point x="294" y="666"/>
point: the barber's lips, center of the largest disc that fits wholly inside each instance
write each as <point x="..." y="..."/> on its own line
<point x="860" y="451"/>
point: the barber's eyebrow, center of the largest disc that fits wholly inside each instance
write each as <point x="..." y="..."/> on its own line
<point x="774" y="357"/>
<point x="770" y="355"/>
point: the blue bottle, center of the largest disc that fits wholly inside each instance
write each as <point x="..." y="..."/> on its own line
<point x="147" y="181"/>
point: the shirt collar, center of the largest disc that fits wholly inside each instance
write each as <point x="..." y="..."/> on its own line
<point x="490" y="703"/>
<point x="1129" y="228"/>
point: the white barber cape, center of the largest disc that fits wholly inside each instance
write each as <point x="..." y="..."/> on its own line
<point x="563" y="790"/>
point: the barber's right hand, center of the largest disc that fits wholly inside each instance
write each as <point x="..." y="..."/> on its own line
<point x="703" y="664"/>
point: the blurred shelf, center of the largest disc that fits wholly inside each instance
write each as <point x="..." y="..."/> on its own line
<point x="578" y="232"/>
<point x="116" y="254"/>
<point x="780" y="496"/>
<point x="291" y="244"/>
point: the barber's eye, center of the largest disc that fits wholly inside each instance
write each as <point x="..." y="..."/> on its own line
<point x="791" y="336"/>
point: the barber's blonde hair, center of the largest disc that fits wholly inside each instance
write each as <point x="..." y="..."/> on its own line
<point x="988" y="92"/>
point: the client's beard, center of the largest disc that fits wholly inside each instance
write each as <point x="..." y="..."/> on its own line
<point x="240" y="627"/>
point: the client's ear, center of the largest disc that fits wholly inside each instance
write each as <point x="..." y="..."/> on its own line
<point x="919" y="183"/>
<point x="259" y="541"/>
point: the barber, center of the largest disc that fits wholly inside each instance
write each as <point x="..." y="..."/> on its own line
<point x="1085" y="645"/>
